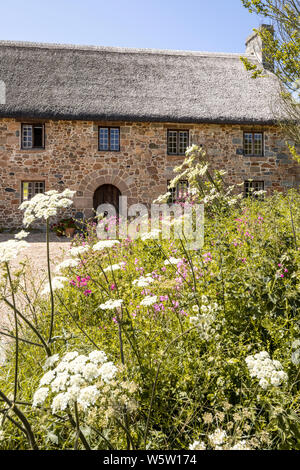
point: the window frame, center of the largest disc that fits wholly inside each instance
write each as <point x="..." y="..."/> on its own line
<point x="177" y="141"/>
<point x="109" y="145"/>
<point x="250" y="183"/>
<point x="177" y="188"/>
<point x="252" y="154"/>
<point x="32" y="125"/>
<point x="31" y="181"/>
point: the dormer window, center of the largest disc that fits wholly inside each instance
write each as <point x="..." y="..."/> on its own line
<point x="33" y="136"/>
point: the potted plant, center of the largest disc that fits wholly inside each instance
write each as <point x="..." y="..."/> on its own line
<point x="69" y="226"/>
<point x="59" y="229"/>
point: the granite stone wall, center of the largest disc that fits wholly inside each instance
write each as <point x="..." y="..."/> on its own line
<point x="140" y="170"/>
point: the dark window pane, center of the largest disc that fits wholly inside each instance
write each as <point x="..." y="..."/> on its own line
<point x="251" y="186"/>
<point x="37" y="136"/>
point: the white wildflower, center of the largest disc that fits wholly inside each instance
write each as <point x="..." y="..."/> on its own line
<point x="60" y="402"/>
<point x="60" y="382"/>
<point x="143" y="281"/>
<point x="149" y="300"/>
<point x="57" y="283"/>
<point x="78" y="250"/>
<point x="70" y="356"/>
<point x="111" y="304"/>
<point x="90" y="372"/>
<point x="102" y="244"/>
<point x="114" y="267"/>
<point x="10" y="249"/>
<point x="173" y="261"/>
<point x="268" y="372"/>
<point x="217" y="438"/>
<point x="67" y="263"/>
<point x="98" y="357"/>
<point x="154" y="234"/>
<point x="107" y="371"/>
<point x="51" y="361"/>
<point x="88" y="396"/>
<point x="242" y="445"/>
<point x="21" y="235"/>
<point x="197" y="445"/>
<point x="47" y="378"/>
<point x="40" y="396"/>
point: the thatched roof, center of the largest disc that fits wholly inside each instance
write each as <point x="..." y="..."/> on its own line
<point x="97" y="83"/>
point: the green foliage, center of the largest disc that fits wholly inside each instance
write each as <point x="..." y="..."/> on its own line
<point x="185" y="381"/>
<point x="283" y="51"/>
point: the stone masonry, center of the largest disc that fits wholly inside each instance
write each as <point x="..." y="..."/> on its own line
<point x="140" y="170"/>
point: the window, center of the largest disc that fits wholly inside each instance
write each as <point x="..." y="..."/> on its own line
<point x="177" y="192"/>
<point x="31" y="188"/>
<point x="178" y="141"/>
<point x="109" y="139"/>
<point x="32" y="136"/>
<point x="251" y="186"/>
<point x="253" y="143"/>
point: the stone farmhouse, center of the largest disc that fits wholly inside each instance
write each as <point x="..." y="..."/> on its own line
<point x="108" y="121"/>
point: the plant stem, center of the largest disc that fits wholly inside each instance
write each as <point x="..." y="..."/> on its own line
<point x="23" y="419"/>
<point x="50" y="282"/>
<point x="16" y="332"/>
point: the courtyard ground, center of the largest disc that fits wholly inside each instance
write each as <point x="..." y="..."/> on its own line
<point x="36" y="257"/>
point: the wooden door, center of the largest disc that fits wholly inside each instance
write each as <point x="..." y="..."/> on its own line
<point x="107" y="194"/>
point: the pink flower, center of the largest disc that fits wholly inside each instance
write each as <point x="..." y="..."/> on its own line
<point x="112" y="287"/>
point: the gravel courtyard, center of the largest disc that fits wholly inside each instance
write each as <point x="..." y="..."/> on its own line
<point x="36" y="256"/>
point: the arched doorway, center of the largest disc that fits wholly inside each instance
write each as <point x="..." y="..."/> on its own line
<point x="107" y="194"/>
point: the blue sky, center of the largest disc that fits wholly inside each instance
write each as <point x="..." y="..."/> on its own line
<point x="204" y="25"/>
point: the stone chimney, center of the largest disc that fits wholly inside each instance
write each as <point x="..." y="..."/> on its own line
<point x="255" y="47"/>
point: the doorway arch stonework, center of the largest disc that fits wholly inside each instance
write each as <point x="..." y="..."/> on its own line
<point x="83" y="199"/>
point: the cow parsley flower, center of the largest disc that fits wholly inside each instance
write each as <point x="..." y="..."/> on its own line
<point x="44" y="206"/>
<point x="242" y="445"/>
<point x="57" y="283"/>
<point x="51" y="361"/>
<point x="88" y="396"/>
<point x="102" y="244"/>
<point x="71" y="380"/>
<point x="149" y="300"/>
<point x="267" y="371"/>
<point x="98" y="357"/>
<point x="197" y="445"/>
<point x="217" y="437"/>
<point x="114" y="267"/>
<point x="143" y="281"/>
<point x="11" y="249"/>
<point x="111" y="304"/>
<point x="78" y="250"/>
<point x="67" y="263"/>
<point x="153" y="235"/>
<point x="173" y="261"/>
<point x="40" y="396"/>
<point x="22" y="234"/>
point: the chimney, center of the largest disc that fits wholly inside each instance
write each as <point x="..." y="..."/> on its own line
<point x="255" y="47"/>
